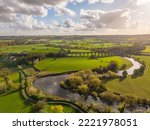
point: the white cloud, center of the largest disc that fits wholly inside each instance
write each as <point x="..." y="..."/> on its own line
<point x="69" y="23"/>
<point x="9" y="8"/>
<point x="6" y="18"/>
<point x="55" y="24"/>
<point x="28" y="22"/>
<point x="102" y="19"/>
<point x="21" y="15"/>
<point x="102" y="1"/>
<point x="139" y="2"/>
<point x="63" y="10"/>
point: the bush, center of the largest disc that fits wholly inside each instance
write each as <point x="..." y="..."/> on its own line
<point x="56" y="109"/>
<point x="74" y="81"/>
<point x="2" y="89"/>
<point x="123" y="67"/>
<point x="121" y="107"/>
<point x="124" y="74"/>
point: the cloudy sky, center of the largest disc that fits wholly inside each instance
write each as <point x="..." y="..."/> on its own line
<point x="67" y="17"/>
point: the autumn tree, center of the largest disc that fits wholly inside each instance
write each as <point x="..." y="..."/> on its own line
<point x="74" y="81"/>
<point x="56" y="109"/>
<point x="83" y="89"/>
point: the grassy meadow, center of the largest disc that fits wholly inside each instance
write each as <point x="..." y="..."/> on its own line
<point x="69" y="64"/>
<point x="38" y="48"/>
<point x="147" y="50"/>
<point x="13" y="103"/>
<point x="139" y="87"/>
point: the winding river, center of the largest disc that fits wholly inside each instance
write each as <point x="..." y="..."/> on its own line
<point x="135" y="65"/>
<point x="51" y="85"/>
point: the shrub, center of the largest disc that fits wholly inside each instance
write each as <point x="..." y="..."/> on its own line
<point x="121" y="107"/>
<point x="56" y="109"/>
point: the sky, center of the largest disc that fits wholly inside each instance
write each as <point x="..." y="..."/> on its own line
<point x="74" y="17"/>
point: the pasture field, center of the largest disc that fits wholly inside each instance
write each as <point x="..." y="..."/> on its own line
<point x="69" y="64"/>
<point x="88" y="44"/>
<point x="139" y="87"/>
<point x="38" y="48"/>
<point x="147" y="50"/>
<point x="13" y="103"/>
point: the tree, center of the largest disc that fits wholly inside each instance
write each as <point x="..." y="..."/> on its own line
<point x="124" y="74"/>
<point x="95" y="84"/>
<point x="56" y="109"/>
<point x="83" y="89"/>
<point x="93" y="57"/>
<point x="39" y="106"/>
<point x="123" y="67"/>
<point x="74" y="81"/>
<point x="141" y="69"/>
<point x="112" y="66"/>
<point x="121" y="107"/>
<point x="94" y="94"/>
<point x="4" y="74"/>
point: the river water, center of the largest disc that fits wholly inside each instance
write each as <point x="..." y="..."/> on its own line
<point x="135" y="65"/>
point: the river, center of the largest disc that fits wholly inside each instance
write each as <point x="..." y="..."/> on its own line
<point x="51" y="84"/>
<point x="135" y="65"/>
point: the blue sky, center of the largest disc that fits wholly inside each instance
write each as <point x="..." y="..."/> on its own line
<point x="75" y="17"/>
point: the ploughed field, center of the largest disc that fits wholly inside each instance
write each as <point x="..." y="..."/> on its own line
<point x="138" y="87"/>
<point x="59" y="65"/>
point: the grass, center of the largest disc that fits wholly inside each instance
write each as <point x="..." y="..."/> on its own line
<point x="39" y="48"/>
<point x="14" y="77"/>
<point x="147" y="50"/>
<point x="13" y="103"/>
<point x="139" y="87"/>
<point x="69" y="64"/>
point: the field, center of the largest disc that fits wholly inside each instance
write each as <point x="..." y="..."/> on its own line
<point x="38" y="48"/>
<point x="139" y="87"/>
<point x="10" y="99"/>
<point x="13" y="103"/>
<point x="147" y="50"/>
<point x="28" y="48"/>
<point x="70" y="64"/>
<point x="13" y="77"/>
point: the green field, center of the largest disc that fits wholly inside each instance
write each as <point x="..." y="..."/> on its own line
<point x="139" y="87"/>
<point x="13" y="103"/>
<point x="147" y="50"/>
<point x="14" y="77"/>
<point x="38" y="48"/>
<point x="69" y="64"/>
